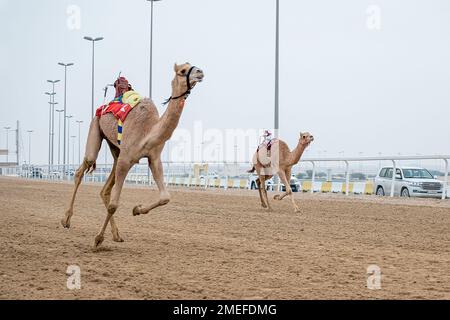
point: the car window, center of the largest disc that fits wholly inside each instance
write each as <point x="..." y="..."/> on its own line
<point x="383" y="172"/>
<point x="417" y="174"/>
<point x="389" y="173"/>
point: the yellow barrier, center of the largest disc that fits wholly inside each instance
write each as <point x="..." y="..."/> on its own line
<point x="306" y="185"/>
<point x="369" y="188"/>
<point x="325" y="186"/>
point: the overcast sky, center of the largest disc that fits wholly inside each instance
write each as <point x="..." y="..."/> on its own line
<point x="362" y="76"/>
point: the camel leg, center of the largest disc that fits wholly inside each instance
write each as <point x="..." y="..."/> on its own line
<point x="105" y="194"/>
<point x="288" y="192"/>
<point x="122" y="168"/>
<point x="164" y="197"/>
<point x="258" y="183"/>
<point x="93" y="145"/>
<point x="264" y="192"/>
<point x="284" y="194"/>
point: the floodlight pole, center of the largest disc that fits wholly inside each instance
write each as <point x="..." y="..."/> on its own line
<point x="93" y="40"/>
<point x="65" y="65"/>
<point x="151" y="49"/>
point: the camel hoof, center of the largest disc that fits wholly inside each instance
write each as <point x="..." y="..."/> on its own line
<point x="117" y="238"/>
<point x="65" y="223"/>
<point x="137" y="210"/>
<point x="276" y="197"/>
<point x="98" y="240"/>
<point x="263" y="205"/>
<point x="297" y="210"/>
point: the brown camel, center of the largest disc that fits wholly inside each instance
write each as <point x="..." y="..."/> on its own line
<point x="280" y="161"/>
<point x="144" y="136"/>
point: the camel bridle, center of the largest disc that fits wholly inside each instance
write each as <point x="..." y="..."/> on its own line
<point x="187" y="92"/>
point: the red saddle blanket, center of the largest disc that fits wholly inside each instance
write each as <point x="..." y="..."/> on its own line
<point x="118" y="109"/>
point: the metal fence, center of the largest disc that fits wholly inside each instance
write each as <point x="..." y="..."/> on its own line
<point x="339" y="175"/>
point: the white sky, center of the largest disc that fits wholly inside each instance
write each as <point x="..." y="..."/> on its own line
<point x="356" y="89"/>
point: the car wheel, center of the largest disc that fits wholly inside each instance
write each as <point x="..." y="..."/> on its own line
<point x="253" y="186"/>
<point x="380" y="191"/>
<point x="405" y="192"/>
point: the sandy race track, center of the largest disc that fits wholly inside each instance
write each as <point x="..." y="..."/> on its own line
<point x="221" y="245"/>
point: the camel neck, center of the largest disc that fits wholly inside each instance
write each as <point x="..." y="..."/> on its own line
<point x="297" y="153"/>
<point x="170" y="118"/>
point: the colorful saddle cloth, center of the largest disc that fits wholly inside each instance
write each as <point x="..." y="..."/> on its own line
<point x="120" y="107"/>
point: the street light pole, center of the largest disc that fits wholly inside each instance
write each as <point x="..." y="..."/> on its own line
<point x="68" y="138"/>
<point x="277" y="58"/>
<point x="52" y="104"/>
<point x="50" y="128"/>
<point x="53" y="118"/>
<point x="29" y="147"/>
<point x="73" y="149"/>
<point x="93" y="40"/>
<point x="59" y="135"/>
<point x="151" y="48"/>
<point x="79" y="140"/>
<point x="65" y="65"/>
<point x="7" y="149"/>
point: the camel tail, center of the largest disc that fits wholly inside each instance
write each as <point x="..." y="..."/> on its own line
<point x="252" y="170"/>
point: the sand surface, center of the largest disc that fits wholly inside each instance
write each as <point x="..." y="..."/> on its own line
<point x="217" y="244"/>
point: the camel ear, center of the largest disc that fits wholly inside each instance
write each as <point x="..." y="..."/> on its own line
<point x="301" y="133"/>
<point x="175" y="67"/>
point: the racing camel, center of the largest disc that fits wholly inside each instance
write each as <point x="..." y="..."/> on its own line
<point x="144" y="136"/>
<point x="276" y="158"/>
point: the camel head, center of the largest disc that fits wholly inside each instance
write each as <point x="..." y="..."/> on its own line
<point x="306" y="138"/>
<point x="185" y="73"/>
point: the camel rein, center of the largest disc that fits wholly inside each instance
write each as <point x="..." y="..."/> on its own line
<point x="187" y="92"/>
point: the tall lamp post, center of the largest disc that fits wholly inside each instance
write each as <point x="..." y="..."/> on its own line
<point x="59" y="135"/>
<point x="52" y="104"/>
<point x="68" y="138"/>
<point x="73" y="149"/>
<point x="7" y="149"/>
<point x="53" y="82"/>
<point x="29" y="146"/>
<point x="79" y="140"/>
<point x="151" y="48"/>
<point x="277" y="58"/>
<point x="50" y="94"/>
<point x="65" y="65"/>
<point x="93" y="40"/>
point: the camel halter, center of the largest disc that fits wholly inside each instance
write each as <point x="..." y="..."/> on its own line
<point x="187" y="92"/>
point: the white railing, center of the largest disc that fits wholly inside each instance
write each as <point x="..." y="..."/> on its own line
<point x="225" y="173"/>
<point x="394" y="160"/>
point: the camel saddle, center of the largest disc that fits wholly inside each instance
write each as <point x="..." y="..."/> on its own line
<point x="121" y="106"/>
<point x="124" y="101"/>
<point x="264" y="152"/>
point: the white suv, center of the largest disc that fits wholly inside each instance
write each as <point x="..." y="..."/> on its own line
<point x="409" y="182"/>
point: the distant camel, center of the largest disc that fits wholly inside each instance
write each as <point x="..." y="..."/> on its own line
<point x="280" y="161"/>
<point x="144" y="136"/>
